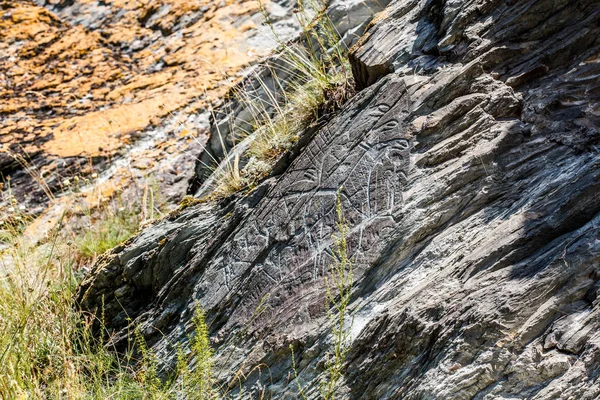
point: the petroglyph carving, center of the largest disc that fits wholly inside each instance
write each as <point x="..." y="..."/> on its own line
<point x="370" y="161"/>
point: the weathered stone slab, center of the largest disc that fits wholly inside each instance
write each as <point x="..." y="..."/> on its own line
<point x="471" y="184"/>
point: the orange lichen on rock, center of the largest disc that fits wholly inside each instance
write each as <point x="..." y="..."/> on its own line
<point x="109" y="128"/>
<point x="25" y="23"/>
<point x="70" y="81"/>
<point x="81" y="81"/>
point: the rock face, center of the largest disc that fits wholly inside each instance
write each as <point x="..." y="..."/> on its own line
<point x="470" y="175"/>
<point x="83" y="83"/>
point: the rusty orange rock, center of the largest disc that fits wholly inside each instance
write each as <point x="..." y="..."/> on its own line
<point x="81" y="80"/>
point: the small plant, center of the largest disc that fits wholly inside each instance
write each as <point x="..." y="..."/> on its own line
<point x="98" y="225"/>
<point x="301" y="392"/>
<point x="339" y="291"/>
<point x="229" y="179"/>
<point x="197" y="383"/>
<point x="146" y="373"/>
<point x="338" y="294"/>
<point x="188" y="201"/>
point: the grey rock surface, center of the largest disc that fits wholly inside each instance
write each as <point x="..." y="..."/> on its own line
<point x="470" y="167"/>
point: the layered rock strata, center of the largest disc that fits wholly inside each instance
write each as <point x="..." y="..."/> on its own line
<point x="118" y="89"/>
<point x="470" y="172"/>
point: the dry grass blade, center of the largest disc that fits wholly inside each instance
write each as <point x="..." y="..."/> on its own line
<point x="318" y="81"/>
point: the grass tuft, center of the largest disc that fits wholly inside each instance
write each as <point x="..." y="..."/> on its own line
<point x="199" y="382"/>
<point x="318" y="82"/>
<point x="108" y="228"/>
<point x="48" y="348"/>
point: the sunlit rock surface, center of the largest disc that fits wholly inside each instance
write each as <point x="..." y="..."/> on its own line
<point x="470" y="169"/>
<point x="119" y="88"/>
